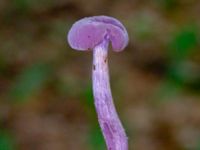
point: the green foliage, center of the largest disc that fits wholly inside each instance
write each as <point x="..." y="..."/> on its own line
<point x="26" y="6"/>
<point x="167" y="90"/>
<point x="96" y="139"/>
<point x="184" y="42"/>
<point x="88" y="94"/>
<point x="88" y="102"/>
<point x="168" y="4"/>
<point x="182" y="46"/>
<point x="21" y="5"/>
<point x="181" y="73"/>
<point x="198" y="146"/>
<point x="30" y="81"/>
<point x="6" y="141"/>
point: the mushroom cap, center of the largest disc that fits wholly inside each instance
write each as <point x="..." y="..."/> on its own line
<point x="88" y="32"/>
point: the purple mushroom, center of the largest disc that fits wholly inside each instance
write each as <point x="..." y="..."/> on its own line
<point x="95" y="33"/>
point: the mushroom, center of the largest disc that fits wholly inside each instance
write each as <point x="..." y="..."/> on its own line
<point x="95" y="33"/>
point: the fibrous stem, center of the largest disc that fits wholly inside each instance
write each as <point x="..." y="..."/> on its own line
<point x="109" y="121"/>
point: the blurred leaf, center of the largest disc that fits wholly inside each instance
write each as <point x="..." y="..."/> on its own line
<point x="96" y="139"/>
<point x="181" y="73"/>
<point x="6" y="141"/>
<point x="167" y="90"/>
<point x="88" y="94"/>
<point x="168" y="4"/>
<point x="183" y="45"/>
<point x="24" y="6"/>
<point x="21" y="5"/>
<point x="194" y="86"/>
<point x="89" y="103"/>
<point x="30" y="81"/>
<point x="184" y="42"/>
<point x="198" y="146"/>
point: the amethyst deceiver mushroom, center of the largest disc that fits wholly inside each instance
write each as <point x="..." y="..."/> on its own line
<point x="95" y="33"/>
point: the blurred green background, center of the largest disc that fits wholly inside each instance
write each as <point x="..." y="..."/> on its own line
<point x="46" y="100"/>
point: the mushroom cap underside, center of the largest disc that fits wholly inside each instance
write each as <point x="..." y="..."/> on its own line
<point x="88" y="32"/>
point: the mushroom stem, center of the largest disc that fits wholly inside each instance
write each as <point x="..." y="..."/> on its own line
<point x="109" y="121"/>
